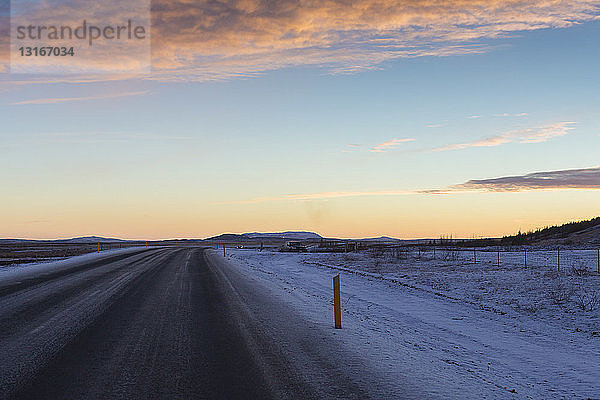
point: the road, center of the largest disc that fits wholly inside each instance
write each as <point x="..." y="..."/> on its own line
<point x="164" y="323"/>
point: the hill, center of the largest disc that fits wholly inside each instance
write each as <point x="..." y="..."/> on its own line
<point x="77" y="240"/>
<point x="293" y="235"/>
<point x="289" y="235"/>
<point x="585" y="232"/>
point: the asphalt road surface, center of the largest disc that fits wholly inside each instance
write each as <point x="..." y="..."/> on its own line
<point x="167" y="323"/>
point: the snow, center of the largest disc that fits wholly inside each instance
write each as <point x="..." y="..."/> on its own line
<point x="19" y="271"/>
<point x="453" y="328"/>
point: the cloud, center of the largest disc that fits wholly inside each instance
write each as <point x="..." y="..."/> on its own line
<point x="351" y="148"/>
<point x="586" y="178"/>
<point x="105" y="56"/>
<point x="320" y="196"/>
<point x="26" y="140"/>
<point x="4" y="35"/>
<point x="529" y="135"/>
<point x="246" y="37"/>
<point x="389" y="145"/>
<point x="581" y="179"/>
<point x="212" y="40"/>
<point x="506" y="115"/>
<point x="57" y="100"/>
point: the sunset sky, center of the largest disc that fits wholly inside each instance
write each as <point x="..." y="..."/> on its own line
<point x="471" y="118"/>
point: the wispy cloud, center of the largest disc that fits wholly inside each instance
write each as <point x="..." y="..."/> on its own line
<point x="351" y="148"/>
<point x="573" y="179"/>
<point x="506" y="115"/>
<point x="389" y="145"/>
<point x="585" y="178"/>
<point x="580" y="179"/>
<point x="58" y="100"/>
<point x="252" y="36"/>
<point x="205" y="40"/>
<point x="529" y="135"/>
<point x="320" y="196"/>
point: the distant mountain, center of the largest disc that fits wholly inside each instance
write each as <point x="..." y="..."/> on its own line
<point x="290" y="235"/>
<point x="293" y="235"/>
<point x="230" y="237"/>
<point x="89" y="239"/>
<point x="78" y="240"/>
<point x="380" y="239"/>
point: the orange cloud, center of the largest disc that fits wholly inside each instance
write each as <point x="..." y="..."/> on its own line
<point x="56" y="100"/>
<point x="200" y="40"/>
<point x="4" y="35"/>
<point x="389" y="145"/>
<point x="321" y="196"/>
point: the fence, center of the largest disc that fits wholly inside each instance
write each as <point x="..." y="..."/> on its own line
<point x="560" y="259"/>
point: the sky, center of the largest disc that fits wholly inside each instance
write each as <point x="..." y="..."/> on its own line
<point x="464" y="118"/>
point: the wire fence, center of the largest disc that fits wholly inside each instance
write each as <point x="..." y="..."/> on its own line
<point x="559" y="259"/>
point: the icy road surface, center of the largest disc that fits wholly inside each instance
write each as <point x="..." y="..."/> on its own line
<point x="168" y="323"/>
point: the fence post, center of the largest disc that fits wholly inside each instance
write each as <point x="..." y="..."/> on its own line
<point x="474" y="256"/>
<point x="525" y="256"/>
<point x="598" y="261"/>
<point x="223" y="249"/>
<point x="498" y="256"/>
<point x="558" y="259"/>
<point x="337" y="303"/>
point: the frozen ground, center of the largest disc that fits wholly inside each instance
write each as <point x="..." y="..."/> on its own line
<point x="536" y="288"/>
<point x="453" y="328"/>
<point x="18" y="271"/>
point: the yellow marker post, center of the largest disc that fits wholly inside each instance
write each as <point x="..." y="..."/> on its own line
<point x="337" y="303"/>
<point x="98" y="247"/>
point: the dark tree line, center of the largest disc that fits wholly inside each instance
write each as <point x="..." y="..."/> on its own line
<point x="550" y="232"/>
<point x="531" y="237"/>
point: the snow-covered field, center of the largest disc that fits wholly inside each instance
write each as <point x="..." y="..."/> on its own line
<point x="536" y="288"/>
<point x="454" y="328"/>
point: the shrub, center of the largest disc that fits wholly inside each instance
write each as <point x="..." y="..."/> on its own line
<point x="560" y="292"/>
<point x="587" y="299"/>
